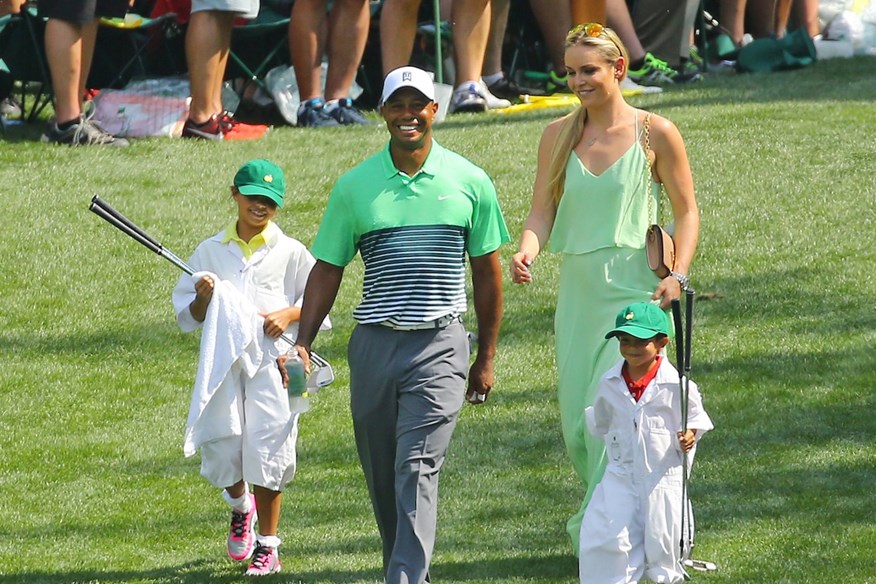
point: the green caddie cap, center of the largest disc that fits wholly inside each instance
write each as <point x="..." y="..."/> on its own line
<point x="642" y="320"/>
<point x="261" y="177"/>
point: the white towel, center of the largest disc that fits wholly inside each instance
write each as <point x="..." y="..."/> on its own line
<point x="232" y="334"/>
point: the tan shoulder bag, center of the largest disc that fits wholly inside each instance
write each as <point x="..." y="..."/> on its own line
<point x="659" y="246"/>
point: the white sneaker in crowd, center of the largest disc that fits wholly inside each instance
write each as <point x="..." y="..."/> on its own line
<point x="468" y="97"/>
<point x="493" y="102"/>
<point x="631" y="86"/>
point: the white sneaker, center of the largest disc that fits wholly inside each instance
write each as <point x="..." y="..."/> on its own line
<point x="628" y="85"/>
<point x="468" y="97"/>
<point x="265" y="561"/>
<point x="493" y="102"/>
<point x="241" y="536"/>
<point x="10" y="108"/>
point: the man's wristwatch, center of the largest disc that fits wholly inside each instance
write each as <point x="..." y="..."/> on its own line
<point x="683" y="280"/>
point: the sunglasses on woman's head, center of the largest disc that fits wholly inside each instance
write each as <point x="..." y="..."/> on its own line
<point x="591" y="29"/>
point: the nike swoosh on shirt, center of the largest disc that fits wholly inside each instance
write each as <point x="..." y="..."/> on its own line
<point x="443" y="197"/>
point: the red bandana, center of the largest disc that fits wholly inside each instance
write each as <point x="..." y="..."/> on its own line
<point x="637" y="388"/>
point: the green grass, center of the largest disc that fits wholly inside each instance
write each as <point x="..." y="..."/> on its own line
<point x="96" y="377"/>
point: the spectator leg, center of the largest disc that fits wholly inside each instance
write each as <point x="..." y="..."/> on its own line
<point x="69" y="50"/>
<point x="398" y="28"/>
<point x="760" y="18"/>
<point x="806" y="16"/>
<point x="588" y="11"/>
<point x="208" y="42"/>
<point x="732" y="17"/>
<point x="307" y="34"/>
<point x="618" y="15"/>
<point x="348" y="32"/>
<point x="471" y="28"/>
<point x="554" y="20"/>
<point x="783" y="13"/>
<point x="498" y="25"/>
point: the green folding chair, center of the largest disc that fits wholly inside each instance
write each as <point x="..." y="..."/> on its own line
<point x="138" y="48"/>
<point x="23" y="53"/>
<point x="257" y="47"/>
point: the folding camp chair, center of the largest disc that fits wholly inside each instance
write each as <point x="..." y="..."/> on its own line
<point x="704" y="24"/>
<point x="134" y="47"/>
<point x="23" y="52"/>
<point x="258" y="46"/>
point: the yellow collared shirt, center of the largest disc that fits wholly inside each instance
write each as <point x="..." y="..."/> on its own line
<point x="248" y="248"/>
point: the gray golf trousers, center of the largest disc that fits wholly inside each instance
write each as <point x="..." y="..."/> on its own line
<point x="406" y="390"/>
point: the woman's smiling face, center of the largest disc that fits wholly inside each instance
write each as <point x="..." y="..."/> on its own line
<point x="590" y="76"/>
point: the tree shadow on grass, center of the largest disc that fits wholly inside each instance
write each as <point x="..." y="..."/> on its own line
<point x="198" y="571"/>
<point x="542" y="568"/>
<point x="150" y="341"/>
<point x="793" y="439"/>
<point x="531" y="569"/>
<point x="758" y="296"/>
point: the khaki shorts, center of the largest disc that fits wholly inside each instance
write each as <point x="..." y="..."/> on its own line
<point x="246" y="8"/>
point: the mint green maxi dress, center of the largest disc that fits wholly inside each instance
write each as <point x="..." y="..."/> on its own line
<point x="600" y="231"/>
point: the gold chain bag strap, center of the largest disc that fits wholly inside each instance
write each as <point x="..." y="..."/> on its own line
<point x="659" y="246"/>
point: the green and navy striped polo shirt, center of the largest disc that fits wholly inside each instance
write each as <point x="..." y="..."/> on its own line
<point x="413" y="234"/>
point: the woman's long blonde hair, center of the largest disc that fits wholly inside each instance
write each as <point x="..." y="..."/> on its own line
<point x="607" y="43"/>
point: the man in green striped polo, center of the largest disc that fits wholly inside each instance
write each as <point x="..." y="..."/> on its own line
<point x="413" y="211"/>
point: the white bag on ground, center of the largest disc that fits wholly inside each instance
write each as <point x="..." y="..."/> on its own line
<point x="283" y="86"/>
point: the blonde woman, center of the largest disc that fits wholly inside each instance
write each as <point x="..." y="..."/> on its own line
<point x="593" y="198"/>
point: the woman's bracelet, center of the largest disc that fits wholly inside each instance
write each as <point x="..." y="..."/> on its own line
<point x="683" y="280"/>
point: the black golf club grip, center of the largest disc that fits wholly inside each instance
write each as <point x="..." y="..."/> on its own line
<point x="96" y="200"/>
<point x="124" y="228"/>
<point x="679" y="334"/>
<point x="688" y="336"/>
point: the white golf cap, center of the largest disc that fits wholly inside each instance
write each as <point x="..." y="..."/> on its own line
<point x="408" y="77"/>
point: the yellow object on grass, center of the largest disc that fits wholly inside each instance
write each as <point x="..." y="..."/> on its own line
<point x="536" y="102"/>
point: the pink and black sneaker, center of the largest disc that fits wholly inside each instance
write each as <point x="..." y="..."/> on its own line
<point x="241" y="537"/>
<point x="265" y="561"/>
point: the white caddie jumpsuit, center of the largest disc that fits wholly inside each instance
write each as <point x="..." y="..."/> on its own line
<point x="272" y="279"/>
<point x="632" y="527"/>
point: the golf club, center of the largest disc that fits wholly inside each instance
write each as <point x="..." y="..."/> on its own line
<point x="680" y="365"/>
<point x="687" y="518"/>
<point x="324" y="375"/>
<point x="679" y="348"/>
<point x="688" y="335"/>
<point x="684" y="339"/>
<point x="110" y="215"/>
<point x="701" y="565"/>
